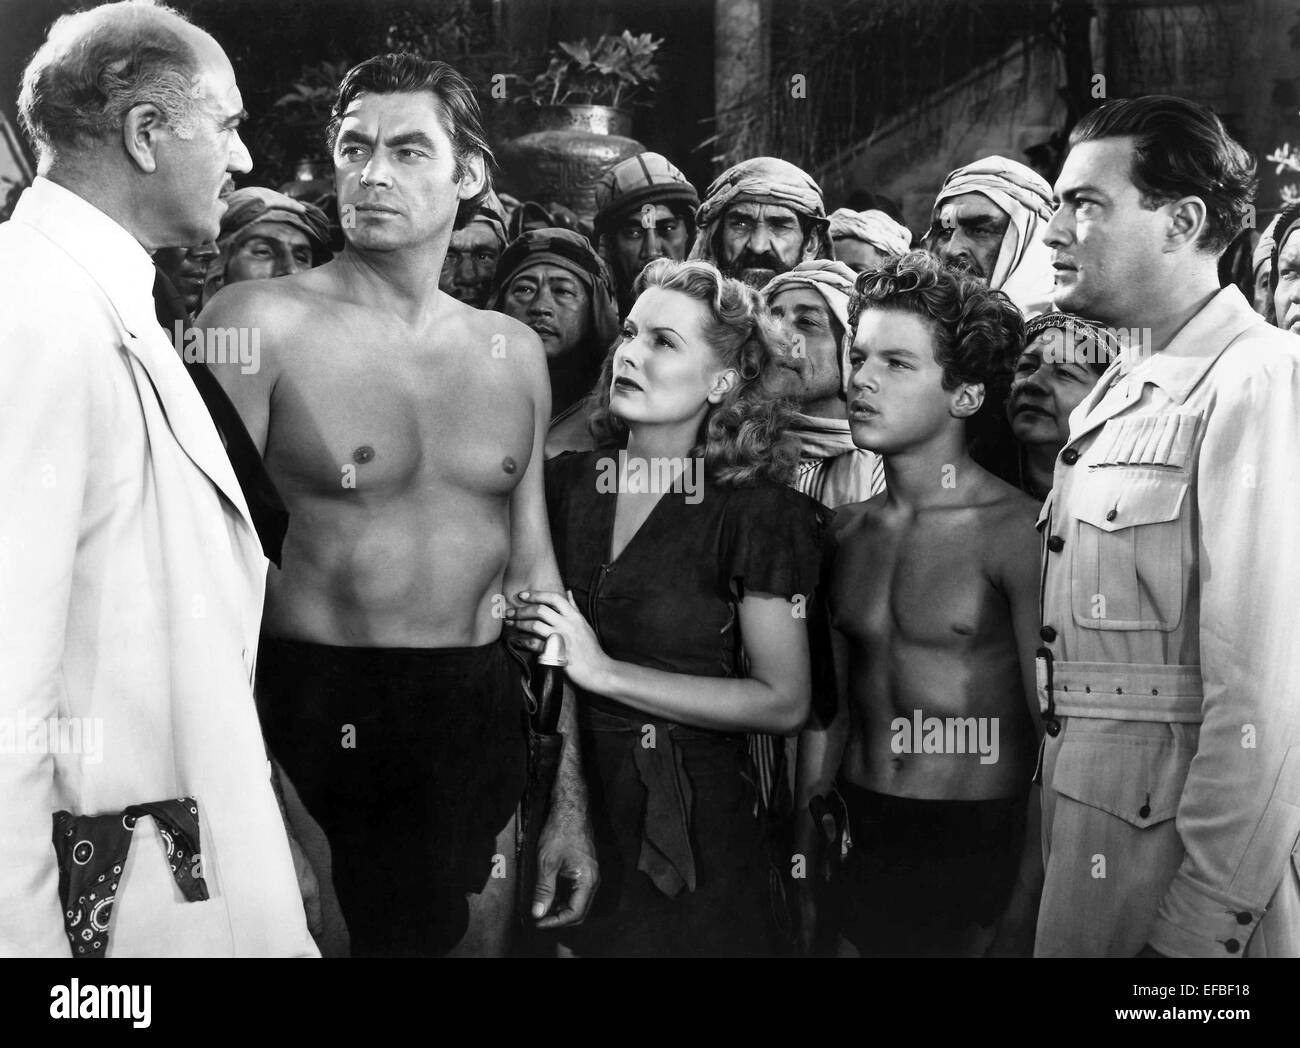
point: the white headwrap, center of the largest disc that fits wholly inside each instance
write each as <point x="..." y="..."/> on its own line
<point x="834" y="282"/>
<point x="1023" y="271"/>
<point x="872" y="227"/>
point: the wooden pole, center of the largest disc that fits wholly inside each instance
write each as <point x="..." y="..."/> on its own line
<point x="742" y="68"/>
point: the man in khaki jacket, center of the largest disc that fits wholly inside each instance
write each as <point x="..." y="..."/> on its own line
<point x="131" y="575"/>
<point x="1169" y="679"/>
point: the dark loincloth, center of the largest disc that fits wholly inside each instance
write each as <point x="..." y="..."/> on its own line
<point x="413" y="807"/>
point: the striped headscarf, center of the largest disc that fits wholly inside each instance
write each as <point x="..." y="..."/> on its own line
<point x="1264" y="249"/>
<point x="1103" y="345"/>
<point x="1283" y="226"/>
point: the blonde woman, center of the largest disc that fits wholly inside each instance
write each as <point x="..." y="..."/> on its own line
<point x="676" y="539"/>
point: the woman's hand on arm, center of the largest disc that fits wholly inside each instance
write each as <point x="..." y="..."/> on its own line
<point x="774" y="697"/>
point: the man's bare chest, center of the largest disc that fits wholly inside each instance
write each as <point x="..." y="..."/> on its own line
<point x="382" y="425"/>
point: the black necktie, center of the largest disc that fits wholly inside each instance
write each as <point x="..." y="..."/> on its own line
<point x="264" y="503"/>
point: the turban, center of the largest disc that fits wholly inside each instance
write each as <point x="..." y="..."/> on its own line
<point x="1264" y="249"/>
<point x="1283" y="226"/>
<point x="1023" y="271"/>
<point x="834" y="282"/>
<point x="492" y="214"/>
<point x="573" y="252"/>
<point x="1103" y="347"/>
<point x="647" y="178"/>
<point x="245" y="208"/>
<point x="872" y="227"/>
<point x="759" y="180"/>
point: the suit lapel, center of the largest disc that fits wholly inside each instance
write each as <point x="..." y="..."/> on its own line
<point x="186" y="415"/>
<point x="114" y="261"/>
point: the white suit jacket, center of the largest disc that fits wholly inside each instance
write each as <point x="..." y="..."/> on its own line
<point x="131" y="586"/>
<point x="1171" y="592"/>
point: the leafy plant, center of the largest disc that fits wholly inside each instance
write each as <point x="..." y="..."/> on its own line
<point x="306" y="107"/>
<point x="613" y="71"/>
<point x="1287" y="159"/>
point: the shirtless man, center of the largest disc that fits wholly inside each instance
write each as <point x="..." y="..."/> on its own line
<point x="932" y="593"/>
<point x="405" y="431"/>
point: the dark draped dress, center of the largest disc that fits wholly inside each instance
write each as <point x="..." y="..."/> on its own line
<point x="683" y="866"/>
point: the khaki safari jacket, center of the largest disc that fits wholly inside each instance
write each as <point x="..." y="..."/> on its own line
<point x="1169" y="677"/>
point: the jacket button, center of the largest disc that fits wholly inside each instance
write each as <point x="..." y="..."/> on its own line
<point x="1056" y="543"/>
<point x="1144" y="811"/>
<point x="1244" y="918"/>
<point x="1048" y="634"/>
<point x="1112" y="515"/>
<point x="1070" y="456"/>
<point x="1232" y="946"/>
<point x="1053" y="727"/>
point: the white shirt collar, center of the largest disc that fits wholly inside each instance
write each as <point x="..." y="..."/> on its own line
<point x="111" y="255"/>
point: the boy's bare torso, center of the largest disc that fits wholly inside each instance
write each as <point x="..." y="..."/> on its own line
<point x="919" y="598"/>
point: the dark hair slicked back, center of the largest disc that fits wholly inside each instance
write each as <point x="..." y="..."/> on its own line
<point x="1180" y="148"/>
<point x="409" y="73"/>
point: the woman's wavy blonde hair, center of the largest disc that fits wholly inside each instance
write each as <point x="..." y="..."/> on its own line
<point x="744" y="436"/>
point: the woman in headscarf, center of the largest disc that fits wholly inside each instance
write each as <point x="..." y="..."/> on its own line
<point x="665" y="579"/>
<point x="1063" y="358"/>
<point x="1284" y="271"/>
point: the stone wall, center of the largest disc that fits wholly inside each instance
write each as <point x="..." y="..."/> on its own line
<point x="1005" y="107"/>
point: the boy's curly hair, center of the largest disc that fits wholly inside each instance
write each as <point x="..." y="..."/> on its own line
<point x="978" y="332"/>
<point x="744" y="437"/>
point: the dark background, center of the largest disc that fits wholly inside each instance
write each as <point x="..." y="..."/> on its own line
<point x="868" y="63"/>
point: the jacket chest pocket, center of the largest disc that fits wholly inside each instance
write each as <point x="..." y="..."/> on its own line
<point x="1133" y="544"/>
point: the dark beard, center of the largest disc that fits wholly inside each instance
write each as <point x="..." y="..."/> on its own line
<point x="755" y="269"/>
<point x="763" y="260"/>
<point x="967" y="267"/>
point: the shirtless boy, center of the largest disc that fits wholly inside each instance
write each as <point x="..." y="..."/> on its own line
<point x="405" y="431"/>
<point x="932" y="598"/>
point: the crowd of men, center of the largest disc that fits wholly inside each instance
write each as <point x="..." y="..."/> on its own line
<point x="1053" y="706"/>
